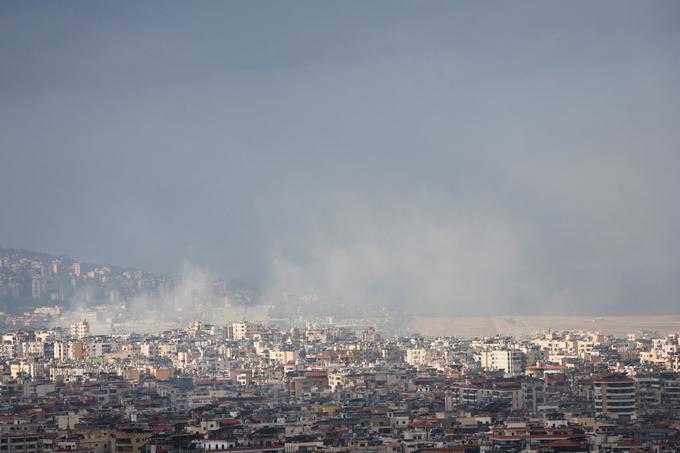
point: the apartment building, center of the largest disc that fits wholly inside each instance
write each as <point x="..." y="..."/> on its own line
<point x="614" y="396"/>
<point x="510" y="361"/>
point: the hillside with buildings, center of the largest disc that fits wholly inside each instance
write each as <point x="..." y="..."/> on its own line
<point x="40" y="289"/>
<point x="31" y="279"/>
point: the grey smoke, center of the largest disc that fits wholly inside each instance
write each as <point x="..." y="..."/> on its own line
<point x="436" y="157"/>
<point x="192" y="298"/>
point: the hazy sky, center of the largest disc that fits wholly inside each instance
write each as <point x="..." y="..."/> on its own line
<point x="462" y="156"/>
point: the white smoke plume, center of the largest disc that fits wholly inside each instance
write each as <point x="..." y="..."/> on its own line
<point x="194" y="297"/>
<point x="410" y="258"/>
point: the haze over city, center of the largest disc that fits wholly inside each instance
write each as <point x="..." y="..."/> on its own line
<point x="443" y="158"/>
<point x="289" y="226"/>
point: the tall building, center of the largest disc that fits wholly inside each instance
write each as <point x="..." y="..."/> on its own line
<point x="81" y="329"/>
<point x="36" y="287"/>
<point x="60" y="350"/>
<point x="418" y="356"/>
<point x="510" y="361"/>
<point x="649" y="391"/>
<point x="614" y="396"/>
<point x="75" y="269"/>
<point x="533" y="394"/>
<point x="245" y="330"/>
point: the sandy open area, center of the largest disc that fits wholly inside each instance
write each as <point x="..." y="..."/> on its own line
<point x="470" y="326"/>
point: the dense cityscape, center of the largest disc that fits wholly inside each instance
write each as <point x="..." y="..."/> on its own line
<point x="309" y="383"/>
<point x="385" y="226"/>
<point x="251" y="387"/>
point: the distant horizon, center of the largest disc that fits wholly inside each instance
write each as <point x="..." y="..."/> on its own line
<point x="416" y="316"/>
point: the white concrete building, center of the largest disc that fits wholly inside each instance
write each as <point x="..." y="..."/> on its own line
<point x="510" y="361"/>
<point x="81" y="329"/>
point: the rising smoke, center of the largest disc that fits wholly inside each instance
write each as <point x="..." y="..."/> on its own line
<point x="197" y="295"/>
<point x="432" y="158"/>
